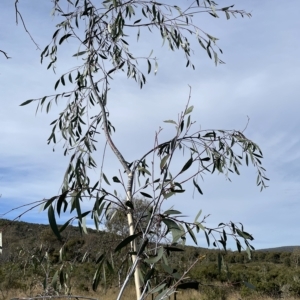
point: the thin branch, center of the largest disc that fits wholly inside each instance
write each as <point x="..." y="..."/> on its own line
<point x="105" y="125"/>
<point x="5" y="54"/>
<point x="19" y="14"/>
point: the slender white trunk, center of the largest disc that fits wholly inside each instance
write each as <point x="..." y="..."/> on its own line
<point x="134" y="249"/>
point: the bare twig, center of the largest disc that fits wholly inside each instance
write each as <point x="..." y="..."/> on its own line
<point x="19" y="14"/>
<point x="5" y="54"/>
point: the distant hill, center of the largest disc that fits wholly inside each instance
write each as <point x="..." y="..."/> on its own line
<point x="18" y="233"/>
<point x="280" y="249"/>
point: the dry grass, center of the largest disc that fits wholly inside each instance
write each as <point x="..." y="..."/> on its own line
<point x="129" y="294"/>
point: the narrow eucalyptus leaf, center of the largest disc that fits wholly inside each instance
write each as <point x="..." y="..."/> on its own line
<point x="189" y="110"/>
<point x="163" y="161"/>
<point x="198" y="215"/>
<point x="26" y="102"/>
<point x="170" y="121"/>
<point x="191" y="233"/>
<point x="146" y="195"/>
<point x="197" y="186"/>
<point x="126" y="241"/>
<point x="172" y="212"/>
<point x="187" y="165"/>
<point x="52" y="222"/>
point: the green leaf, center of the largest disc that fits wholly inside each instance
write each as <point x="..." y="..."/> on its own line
<point x="187" y="165"/>
<point x="244" y="235"/>
<point x="126" y="241"/>
<point x="80" y="53"/>
<point x="60" y="201"/>
<point x="149" y="274"/>
<point x="26" y="102"/>
<point x="191" y="233"/>
<point x="189" y="110"/>
<point x="63" y="80"/>
<point x="156" y="258"/>
<point x="146" y="195"/>
<point x="149" y="66"/>
<point x="238" y="245"/>
<point x="56" y="84"/>
<point x="163" y="161"/>
<point x="165" y="294"/>
<point x="64" y="37"/>
<point x="172" y="212"/>
<point x="227" y="15"/>
<point x="167" y="268"/>
<point x="100" y="258"/>
<point x="144" y="170"/>
<point x="105" y="179"/>
<point x="97" y="276"/>
<point x="62" y="228"/>
<point x="158" y="288"/>
<point x="197" y="186"/>
<point x="248" y="252"/>
<point x="216" y="58"/>
<point x="52" y="222"/>
<point x="170" y="121"/>
<point x="207" y="238"/>
<point x="116" y="179"/>
<point x="171" y="224"/>
<point x="198" y="215"/>
<point x="168" y="195"/>
<point x="181" y="126"/>
<point x="188" y="122"/>
<point x="54" y="280"/>
<point x="49" y="202"/>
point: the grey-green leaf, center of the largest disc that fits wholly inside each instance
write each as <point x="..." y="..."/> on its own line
<point x="197" y="186"/>
<point x="105" y="179"/>
<point x="26" y="102"/>
<point x="126" y="241"/>
<point x="170" y="121"/>
<point x="191" y="233"/>
<point x="187" y="165"/>
<point x="116" y="179"/>
<point x="164" y="160"/>
<point x="198" y="215"/>
<point x="172" y="212"/>
<point x="155" y="259"/>
<point x="52" y="222"/>
<point x="189" y="110"/>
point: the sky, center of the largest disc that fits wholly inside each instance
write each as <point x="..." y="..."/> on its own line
<point x="260" y="80"/>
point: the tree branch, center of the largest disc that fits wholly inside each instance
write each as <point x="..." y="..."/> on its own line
<point x="5" y="54"/>
<point x="19" y="14"/>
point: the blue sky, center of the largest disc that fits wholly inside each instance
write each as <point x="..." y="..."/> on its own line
<point x="260" y="79"/>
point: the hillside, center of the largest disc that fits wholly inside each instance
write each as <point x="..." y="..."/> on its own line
<point x="33" y="251"/>
<point x="18" y="233"/>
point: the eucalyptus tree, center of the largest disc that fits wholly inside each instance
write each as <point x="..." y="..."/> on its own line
<point x="102" y="33"/>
